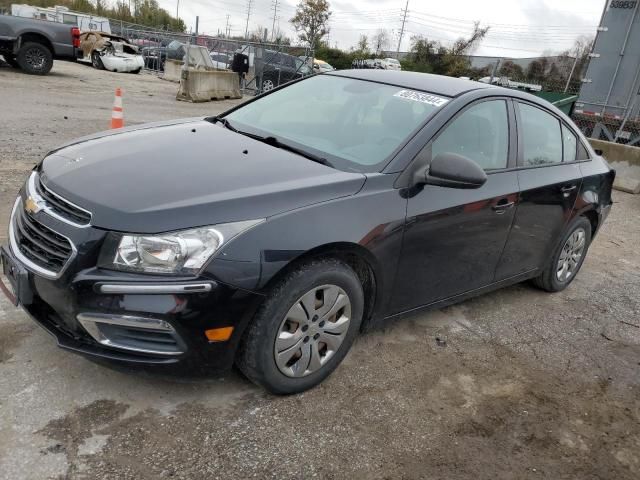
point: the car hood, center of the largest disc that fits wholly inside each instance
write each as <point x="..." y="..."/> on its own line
<point x="182" y="174"/>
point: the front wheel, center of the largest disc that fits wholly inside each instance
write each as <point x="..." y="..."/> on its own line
<point x="304" y="329"/>
<point x="96" y="61"/>
<point x="567" y="258"/>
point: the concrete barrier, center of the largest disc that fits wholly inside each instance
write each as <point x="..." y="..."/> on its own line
<point x="207" y="85"/>
<point x="172" y="70"/>
<point x="626" y="161"/>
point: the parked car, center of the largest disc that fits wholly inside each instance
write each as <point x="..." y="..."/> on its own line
<point x="279" y="68"/>
<point x="298" y="219"/>
<point x="220" y="60"/>
<point x="106" y="51"/>
<point x="32" y="45"/>
<point x="154" y="57"/>
<point x="320" y="66"/>
<point x="390" y="64"/>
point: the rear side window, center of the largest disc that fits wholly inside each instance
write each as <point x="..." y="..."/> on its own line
<point x="583" y="154"/>
<point x="480" y="133"/>
<point x="569" y="144"/>
<point x="541" y="137"/>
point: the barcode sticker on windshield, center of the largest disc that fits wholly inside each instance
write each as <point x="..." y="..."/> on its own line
<point x="422" y="97"/>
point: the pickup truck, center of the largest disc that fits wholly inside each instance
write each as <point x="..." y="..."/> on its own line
<point x="32" y="45"/>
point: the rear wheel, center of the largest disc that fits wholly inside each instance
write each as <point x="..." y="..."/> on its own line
<point x="304" y="329"/>
<point x="34" y="58"/>
<point x="567" y="258"/>
<point x="268" y="84"/>
<point x="135" y="72"/>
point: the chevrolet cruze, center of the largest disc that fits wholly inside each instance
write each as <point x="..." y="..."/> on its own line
<point x="270" y="236"/>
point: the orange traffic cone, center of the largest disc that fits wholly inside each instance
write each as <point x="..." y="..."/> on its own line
<point x="117" y="117"/>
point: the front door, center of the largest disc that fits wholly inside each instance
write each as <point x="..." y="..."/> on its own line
<point x="454" y="238"/>
<point x="550" y="180"/>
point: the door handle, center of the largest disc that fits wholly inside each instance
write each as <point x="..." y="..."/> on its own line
<point x="567" y="189"/>
<point x="502" y="206"/>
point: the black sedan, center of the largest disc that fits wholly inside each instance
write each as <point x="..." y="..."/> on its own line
<point x="272" y="235"/>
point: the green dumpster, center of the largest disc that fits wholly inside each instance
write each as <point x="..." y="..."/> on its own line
<point x="564" y="101"/>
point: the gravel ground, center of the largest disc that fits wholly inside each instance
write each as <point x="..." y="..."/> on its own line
<point x="521" y="384"/>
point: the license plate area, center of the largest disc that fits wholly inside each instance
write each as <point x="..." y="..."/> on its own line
<point x="14" y="280"/>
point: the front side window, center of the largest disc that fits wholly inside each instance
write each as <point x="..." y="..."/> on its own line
<point x="541" y="136"/>
<point x="355" y="124"/>
<point x="569" y="144"/>
<point x="480" y="133"/>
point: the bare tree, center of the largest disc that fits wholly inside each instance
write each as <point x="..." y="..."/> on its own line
<point x="380" y="41"/>
<point x="363" y="44"/>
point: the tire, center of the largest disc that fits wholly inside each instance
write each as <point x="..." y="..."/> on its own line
<point x="96" y="61"/>
<point x="11" y="60"/>
<point x="135" y="72"/>
<point x="268" y="84"/>
<point x="34" y="58"/>
<point x="283" y="319"/>
<point x="565" y="264"/>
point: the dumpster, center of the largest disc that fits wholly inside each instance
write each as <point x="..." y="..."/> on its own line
<point x="564" y="101"/>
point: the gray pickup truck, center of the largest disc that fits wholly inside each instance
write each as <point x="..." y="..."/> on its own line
<point x="32" y="45"/>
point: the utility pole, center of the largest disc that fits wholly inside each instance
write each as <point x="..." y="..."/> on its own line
<point x="246" y="31"/>
<point x="226" y="28"/>
<point x="275" y="16"/>
<point x="404" y="20"/>
<point x="177" y="8"/>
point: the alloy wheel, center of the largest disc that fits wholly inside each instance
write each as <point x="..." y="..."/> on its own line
<point x="267" y="85"/>
<point x="570" y="255"/>
<point x="312" y="331"/>
<point x="35" y="58"/>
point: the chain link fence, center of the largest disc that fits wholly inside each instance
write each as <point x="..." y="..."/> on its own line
<point x="269" y="65"/>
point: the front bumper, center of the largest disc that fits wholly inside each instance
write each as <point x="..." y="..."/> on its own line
<point x="130" y="319"/>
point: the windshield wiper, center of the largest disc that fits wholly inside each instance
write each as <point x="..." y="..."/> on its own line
<point x="274" y="142"/>
<point x="224" y="122"/>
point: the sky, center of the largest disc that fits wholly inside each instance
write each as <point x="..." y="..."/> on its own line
<point x="518" y="28"/>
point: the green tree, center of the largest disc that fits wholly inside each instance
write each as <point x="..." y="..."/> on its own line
<point x="311" y="21"/>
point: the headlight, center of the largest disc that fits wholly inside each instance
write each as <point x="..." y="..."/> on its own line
<point x="183" y="252"/>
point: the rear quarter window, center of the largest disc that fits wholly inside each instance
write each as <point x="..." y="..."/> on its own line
<point x="541" y="136"/>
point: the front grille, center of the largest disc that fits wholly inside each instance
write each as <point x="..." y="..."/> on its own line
<point x="39" y="244"/>
<point x="62" y="207"/>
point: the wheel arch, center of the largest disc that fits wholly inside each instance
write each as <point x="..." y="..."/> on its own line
<point x="37" y="38"/>
<point x="591" y="214"/>
<point x="357" y="257"/>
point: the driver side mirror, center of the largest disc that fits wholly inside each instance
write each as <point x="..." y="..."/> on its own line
<point x="454" y="171"/>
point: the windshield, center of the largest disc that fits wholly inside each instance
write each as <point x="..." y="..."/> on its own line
<point x="354" y="124"/>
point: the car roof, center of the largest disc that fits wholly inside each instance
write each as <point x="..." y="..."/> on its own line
<point x="447" y="86"/>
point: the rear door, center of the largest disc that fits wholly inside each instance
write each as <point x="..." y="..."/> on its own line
<point x="550" y="180"/>
<point x="454" y="237"/>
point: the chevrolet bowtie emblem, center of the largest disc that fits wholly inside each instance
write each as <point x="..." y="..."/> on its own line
<point x="31" y="206"/>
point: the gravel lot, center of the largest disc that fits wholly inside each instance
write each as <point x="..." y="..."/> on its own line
<point x="525" y="384"/>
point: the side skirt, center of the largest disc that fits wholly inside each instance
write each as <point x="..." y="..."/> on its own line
<point x="380" y="322"/>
